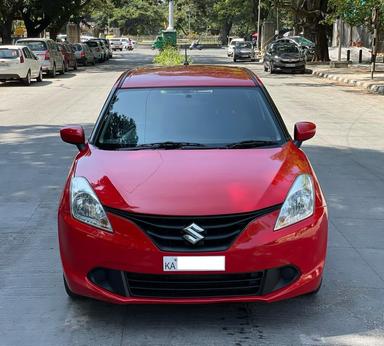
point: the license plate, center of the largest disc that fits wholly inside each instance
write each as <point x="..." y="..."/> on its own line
<point x="194" y="263"/>
<point x="291" y="65"/>
<point x="3" y="63"/>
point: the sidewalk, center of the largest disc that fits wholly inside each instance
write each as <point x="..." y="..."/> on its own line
<point x="356" y="75"/>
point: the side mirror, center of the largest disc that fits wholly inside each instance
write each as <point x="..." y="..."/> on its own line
<point x="74" y="135"/>
<point x="303" y="131"/>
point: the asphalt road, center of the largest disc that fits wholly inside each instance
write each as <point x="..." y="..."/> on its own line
<point x="347" y="153"/>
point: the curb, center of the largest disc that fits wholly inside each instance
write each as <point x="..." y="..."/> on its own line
<point x="374" y="88"/>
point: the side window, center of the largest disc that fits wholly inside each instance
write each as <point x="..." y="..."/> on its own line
<point x="26" y="53"/>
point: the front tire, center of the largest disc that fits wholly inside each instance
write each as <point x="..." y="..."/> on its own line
<point x="316" y="291"/>
<point x="63" y="68"/>
<point x="75" y="66"/>
<point x="70" y="294"/>
<point x="27" y="79"/>
<point x="40" y="77"/>
<point x="52" y="73"/>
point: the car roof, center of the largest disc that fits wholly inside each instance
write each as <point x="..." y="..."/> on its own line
<point x="34" y="39"/>
<point x="188" y="76"/>
<point x="11" y="47"/>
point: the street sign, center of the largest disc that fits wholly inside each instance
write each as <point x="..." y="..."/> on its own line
<point x="20" y="31"/>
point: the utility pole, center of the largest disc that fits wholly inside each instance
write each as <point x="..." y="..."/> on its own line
<point x="171" y="22"/>
<point x="375" y="20"/>
<point x="258" y="27"/>
<point x="340" y="37"/>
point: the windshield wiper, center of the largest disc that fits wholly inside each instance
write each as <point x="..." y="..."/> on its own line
<point x="166" y="145"/>
<point x="251" y="144"/>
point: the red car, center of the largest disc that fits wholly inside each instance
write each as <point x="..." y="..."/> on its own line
<point x="191" y="190"/>
<point x="69" y="56"/>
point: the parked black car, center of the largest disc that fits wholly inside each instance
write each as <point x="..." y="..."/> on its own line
<point x="307" y="46"/>
<point x="284" y="57"/>
<point x="243" y="50"/>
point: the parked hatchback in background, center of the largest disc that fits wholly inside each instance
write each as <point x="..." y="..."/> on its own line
<point x="69" y="56"/>
<point x="284" y="57"/>
<point x="83" y="53"/>
<point x="108" y="47"/>
<point x="232" y="44"/>
<point x="19" y="63"/>
<point x="96" y="49"/>
<point x="191" y="190"/>
<point x="103" y="47"/>
<point x="48" y="53"/>
<point x="243" y="51"/>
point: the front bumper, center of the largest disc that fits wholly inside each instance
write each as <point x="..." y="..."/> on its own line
<point x="258" y="248"/>
<point x="9" y="76"/>
<point x="288" y="66"/>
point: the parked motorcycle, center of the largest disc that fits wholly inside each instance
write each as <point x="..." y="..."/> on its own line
<point x="196" y="45"/>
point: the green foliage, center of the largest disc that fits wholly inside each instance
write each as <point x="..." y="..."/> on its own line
<point x="170" y="56"/>
<point x="355" y="12"/>
<point x="134" y="17"/>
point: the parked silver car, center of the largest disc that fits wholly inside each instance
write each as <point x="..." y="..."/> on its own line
<point x="48" y="53"/>
<point x="116" y="44"/>
<point x="97" y="50"/>
<point x="84" y="54"/>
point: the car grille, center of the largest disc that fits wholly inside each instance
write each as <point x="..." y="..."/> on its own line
<point x="167" y="231"/>
<point x="292" y="61"/>
<point x="140" y="285"/>
<point x="187" y="286"/>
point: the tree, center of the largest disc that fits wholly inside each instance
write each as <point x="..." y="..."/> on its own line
<point x="130" y="16"/>
<point x="313" y="15"/>
<point x="38" y="15"/>
<point x="8" y="12"/>
<point x="355" y="12"/>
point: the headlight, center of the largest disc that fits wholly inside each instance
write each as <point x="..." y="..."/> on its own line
<point x="86" y="207"/>
<point x="299" y="203"/>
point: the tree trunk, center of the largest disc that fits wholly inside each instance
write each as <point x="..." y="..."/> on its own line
<point x="224" y="32"/>
<point x="6" y="31"/>
<point x="321" y="49"/>
<point x="34" y="29"/>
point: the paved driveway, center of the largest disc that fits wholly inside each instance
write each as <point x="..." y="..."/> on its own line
<point x="347" y="153"/>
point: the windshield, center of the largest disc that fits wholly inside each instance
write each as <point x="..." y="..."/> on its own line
<point x="289" y="48"/>
<point x="207" y="116"/>
<point x="92" y="43"/>
<point x="35" y="46"/>
<point x="6" y="53"/>
<point x="243" y="44"/>
<point x="303" y="41"/>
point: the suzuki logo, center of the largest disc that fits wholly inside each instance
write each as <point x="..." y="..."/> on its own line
<point x="193" y="233"/>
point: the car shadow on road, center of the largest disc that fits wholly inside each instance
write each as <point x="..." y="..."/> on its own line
<point x="13" y="84"/>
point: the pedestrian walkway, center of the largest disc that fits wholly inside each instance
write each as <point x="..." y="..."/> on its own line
<point x="358" y="75"/>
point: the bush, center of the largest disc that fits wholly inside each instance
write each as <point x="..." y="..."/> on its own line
<point x="170" y="56"/>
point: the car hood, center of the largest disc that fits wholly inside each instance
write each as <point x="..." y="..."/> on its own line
<point x="290" y="56"/>
<point x="192" y="182"/>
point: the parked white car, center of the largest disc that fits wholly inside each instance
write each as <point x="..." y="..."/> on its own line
<point x="232" y="44"/>
<point x="116" y="44"/>
<point x="19" y="63"/>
